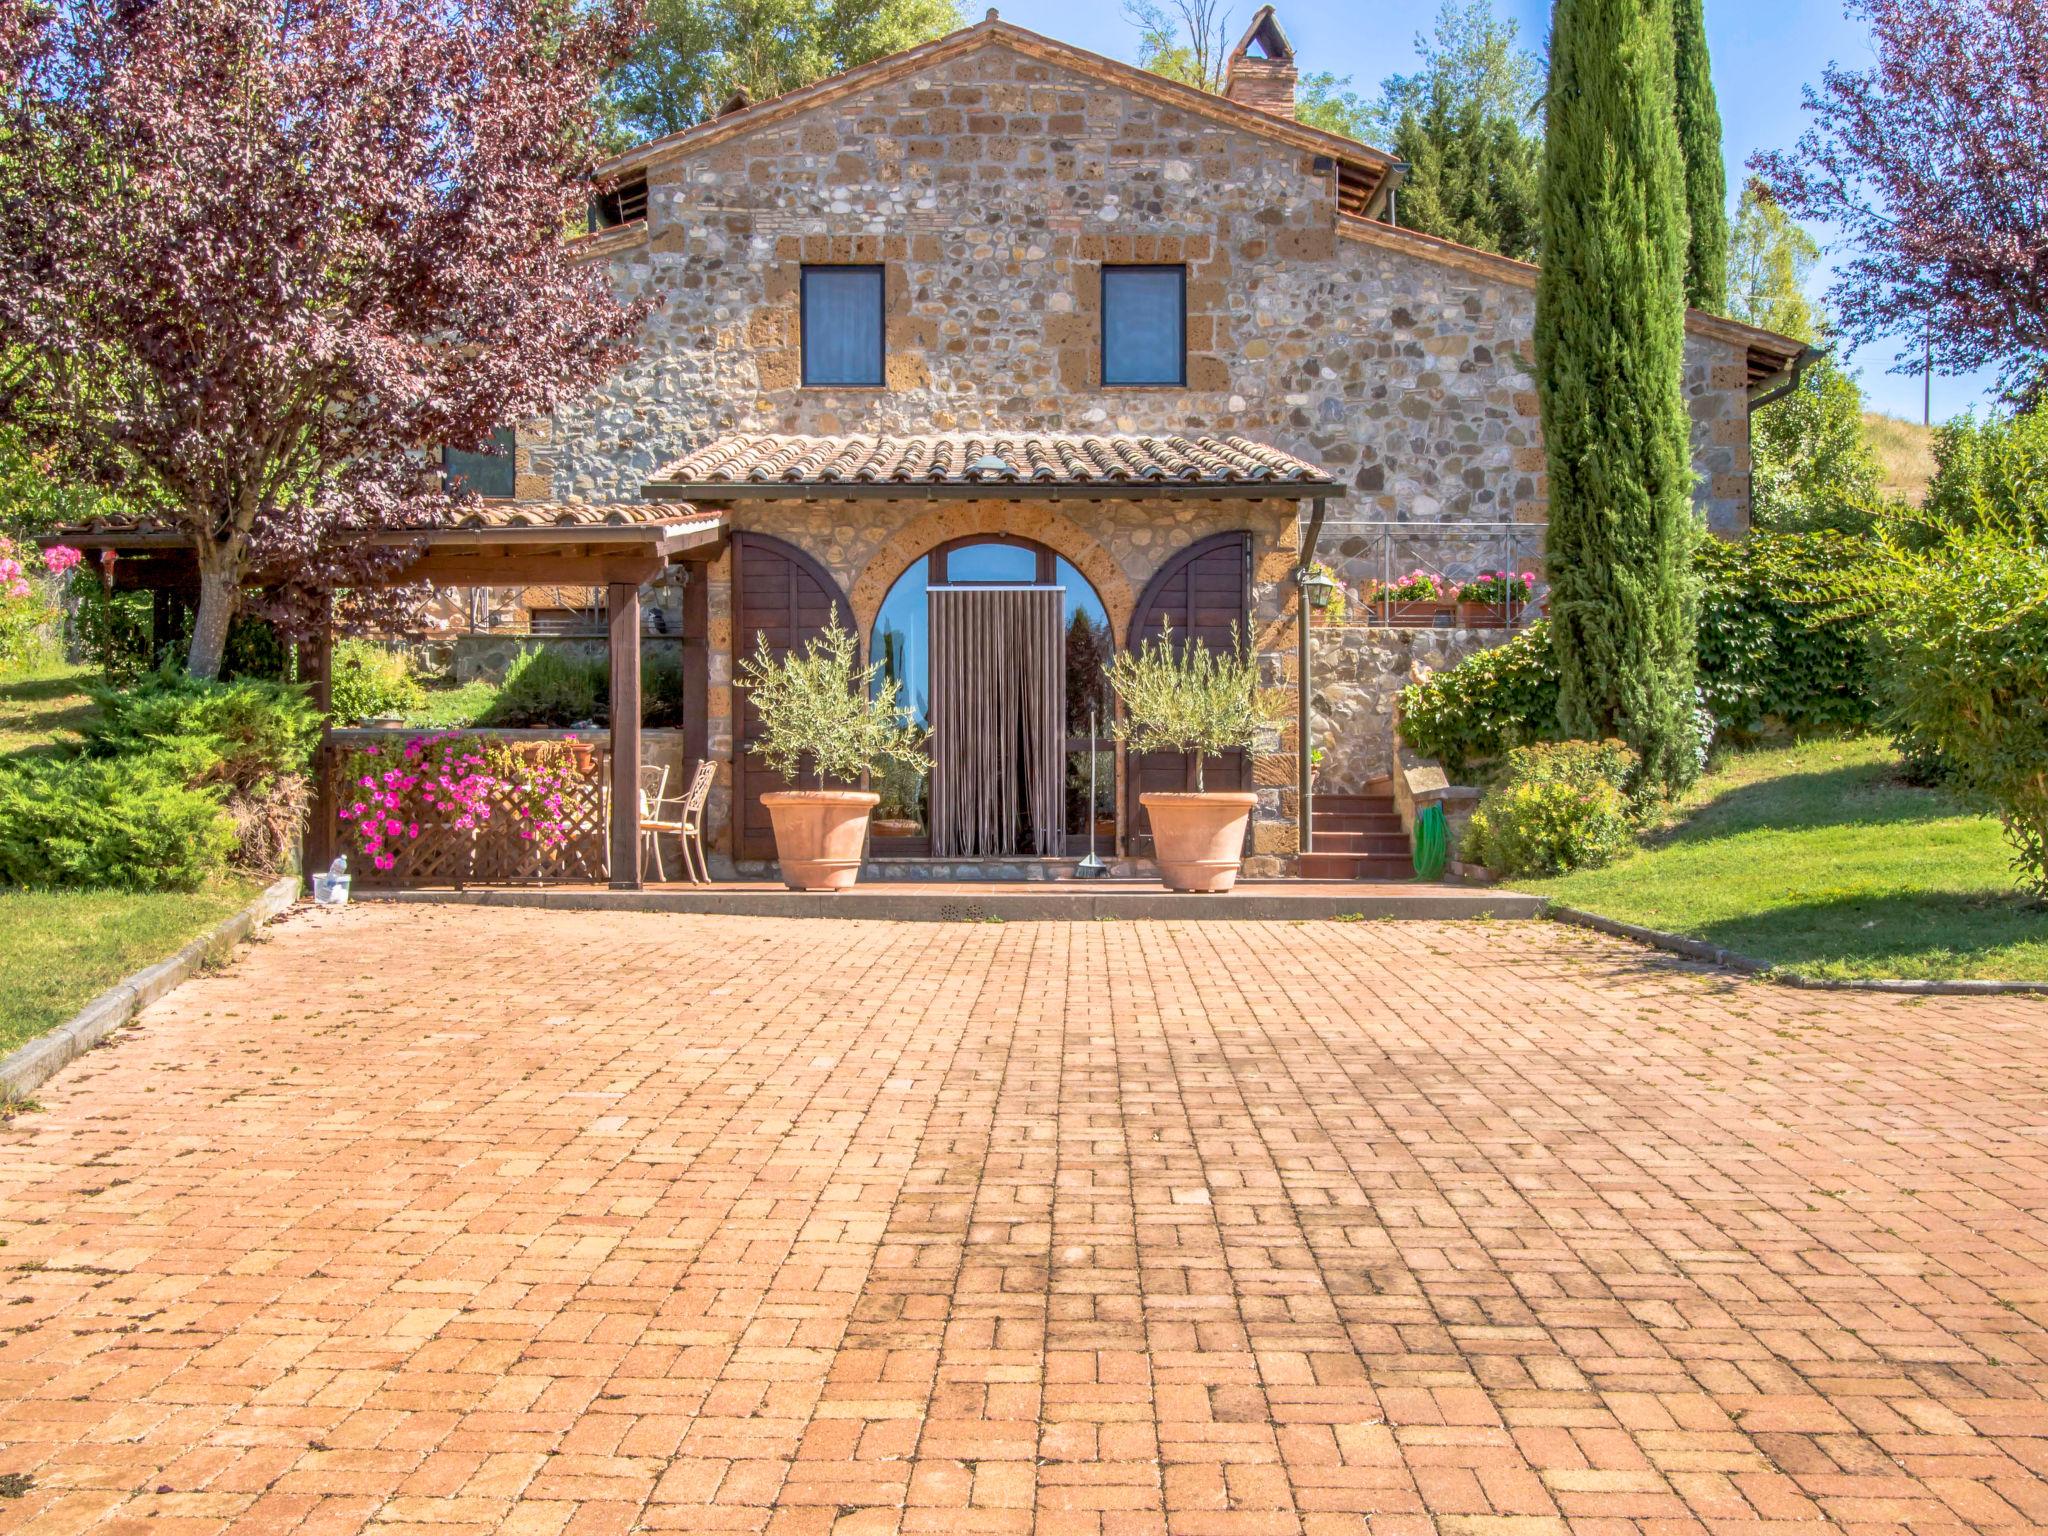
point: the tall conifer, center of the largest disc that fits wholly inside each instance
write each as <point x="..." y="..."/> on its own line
<point x="1699" y="143"/>
<point x="1610" y="349"/>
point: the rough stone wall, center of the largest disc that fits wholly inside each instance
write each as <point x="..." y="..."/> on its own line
<point x="993" y="189"/>
<point x="1355" y="675"/>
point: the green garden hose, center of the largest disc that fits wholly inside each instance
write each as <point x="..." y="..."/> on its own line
<point x="1432" y="850"/>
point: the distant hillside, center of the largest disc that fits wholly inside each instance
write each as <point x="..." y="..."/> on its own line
<point x="1906" y="449"/>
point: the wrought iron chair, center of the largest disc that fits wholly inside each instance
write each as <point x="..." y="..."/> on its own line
<point x="680" y="817"/>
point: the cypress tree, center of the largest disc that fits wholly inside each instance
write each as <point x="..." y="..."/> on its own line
<point x="1610" y="351"/>
<point x="1699" y="141"/>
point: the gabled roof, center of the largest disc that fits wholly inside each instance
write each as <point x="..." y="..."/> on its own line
<point x="969" y="464"/>
<point x="996" y="32"/>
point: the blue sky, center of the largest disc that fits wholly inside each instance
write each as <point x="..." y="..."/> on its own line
<point x="1764" y="52"/>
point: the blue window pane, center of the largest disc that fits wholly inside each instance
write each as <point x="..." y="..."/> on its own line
<point x="1143" y="325"/>
<point x="487" y="474"/>
<point x="993" y="562"/>
<point x="842" y="325"/>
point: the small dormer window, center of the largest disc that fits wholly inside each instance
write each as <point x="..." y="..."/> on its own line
<point x="620" y="202"/>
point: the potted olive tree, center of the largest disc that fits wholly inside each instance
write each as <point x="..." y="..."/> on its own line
<point x="821" y="712"/>
<point x="1183" y="697"/>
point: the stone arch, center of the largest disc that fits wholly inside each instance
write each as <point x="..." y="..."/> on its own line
<point x="1056" y="532"/>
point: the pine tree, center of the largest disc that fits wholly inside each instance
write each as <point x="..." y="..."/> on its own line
<point x="1610" y="349"/>
<point x="1699" y="142"/>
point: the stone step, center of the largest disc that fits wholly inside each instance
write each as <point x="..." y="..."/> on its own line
<point x="1392" y="844"/>
<point x="1352" y="866"/>
<point x="1346" y="821"/>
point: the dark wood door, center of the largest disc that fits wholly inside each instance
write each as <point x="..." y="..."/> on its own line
<point x="782" y="594"/>
<point x="1205" y="593"/>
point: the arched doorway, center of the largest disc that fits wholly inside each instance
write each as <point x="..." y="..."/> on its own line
<point x="997" y="644"/>
<point x="1204" y="593"/>
<point x="782" y="596"/>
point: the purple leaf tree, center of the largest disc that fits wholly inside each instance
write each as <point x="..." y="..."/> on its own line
<point x="260" y="257"/>
<point x="1933" y="164"/>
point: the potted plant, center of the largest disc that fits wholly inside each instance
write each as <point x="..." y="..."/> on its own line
<point x="901" y="787"/>
<point x="1415" y="601"/>
<point x="1324" y="594"/>
<point x="1185" y="698"/>
<point x="819" y="710"/>
<point x="1486" y="603"/>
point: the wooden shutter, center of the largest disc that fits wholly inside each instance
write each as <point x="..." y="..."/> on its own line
<point x="783" y="594"/>
<point x="1205" y="593"/>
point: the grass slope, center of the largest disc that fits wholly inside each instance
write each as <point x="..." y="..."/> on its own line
<point x="1906" y="450"/>
<point x="59" y="949"/>
<point x="41" y="710"/>
<point x="1817" y="859"/>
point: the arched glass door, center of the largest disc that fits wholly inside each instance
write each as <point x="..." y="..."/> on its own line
<point x="902" y="646"/>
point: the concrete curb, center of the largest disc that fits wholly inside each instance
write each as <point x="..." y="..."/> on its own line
<point x="903" y="901"/>
<point x="30" y="1066"/>
<point x="1728" y="959"/>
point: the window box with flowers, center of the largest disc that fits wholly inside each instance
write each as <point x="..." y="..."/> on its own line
<point x="1494" y="599"/>
<point x="1416" y="601"/>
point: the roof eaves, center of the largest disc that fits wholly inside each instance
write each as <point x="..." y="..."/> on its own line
<point x="966" y="40"/>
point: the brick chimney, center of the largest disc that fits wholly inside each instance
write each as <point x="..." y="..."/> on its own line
<point x="1264" y="79"/>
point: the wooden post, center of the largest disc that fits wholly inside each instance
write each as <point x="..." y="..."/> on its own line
<point x="316" y="671"/>
<point x="696" y="665"/>
<point x="1304" y="801"/>
<point x="622" y="602"/>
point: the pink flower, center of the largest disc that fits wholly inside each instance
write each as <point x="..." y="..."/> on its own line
<point x="59" y="558"/>
<point x="18" y="589"/>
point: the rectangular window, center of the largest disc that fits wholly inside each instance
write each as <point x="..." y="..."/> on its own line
<point x="842" y="325"/>
<point x="1144" y="325"/>
<point x="487" y="474"/>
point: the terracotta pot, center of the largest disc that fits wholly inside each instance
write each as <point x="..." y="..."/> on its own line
<point x="1427" y="614"/>
<point x="1199" y="839"/>
<point x="820" y="835"/>
<point x="896" y="826"/>
<point x="1482" y="615"/>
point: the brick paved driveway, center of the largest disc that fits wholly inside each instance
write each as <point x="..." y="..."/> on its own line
<point x="527" y="1222"/>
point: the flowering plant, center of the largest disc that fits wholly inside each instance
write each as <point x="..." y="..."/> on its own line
<point x="455" y="783"/>
<point x="1415" y="587"/>
<point x="1498" y="587"/>
<point x="25" y="611"/>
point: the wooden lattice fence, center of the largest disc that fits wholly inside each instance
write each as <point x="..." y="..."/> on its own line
<point x="493" y="850"/>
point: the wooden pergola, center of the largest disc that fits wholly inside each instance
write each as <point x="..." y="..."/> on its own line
<point x="618" y="546"/>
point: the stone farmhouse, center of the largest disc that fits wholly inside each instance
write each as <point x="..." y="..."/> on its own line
<point x="1004" y="355"/>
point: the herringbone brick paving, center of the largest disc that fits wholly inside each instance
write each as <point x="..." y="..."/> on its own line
<point x="458" y="1219"/>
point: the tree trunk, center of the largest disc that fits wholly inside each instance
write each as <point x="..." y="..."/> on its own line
<point x="219" y="595"/>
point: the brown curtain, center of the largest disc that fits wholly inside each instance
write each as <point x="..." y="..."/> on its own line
<point x="998" y="686"/>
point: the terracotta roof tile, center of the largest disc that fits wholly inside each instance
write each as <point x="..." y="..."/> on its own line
<point x="972" y="460"/>
<point x="477" y="516"/>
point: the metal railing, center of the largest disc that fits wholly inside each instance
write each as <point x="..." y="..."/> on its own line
<point x="1408" y="575"/>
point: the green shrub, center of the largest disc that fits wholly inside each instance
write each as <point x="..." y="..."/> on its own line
<point x="1775" y="649"/>
<point x="372" y="680"/>
<point x="1988" y="473"/>
<point x="1965" y="633"/>
<point x="257" y="732"/>
<point x="547" y="686"/>
<point x="661" y="688"/>
<point x="1489" y="702"/>
<point x="134" y="822"/>
<point x="1561" y="806"/>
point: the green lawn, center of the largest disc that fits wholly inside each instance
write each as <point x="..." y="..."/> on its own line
<point x="41" y="710"/>
<point x="1817" y="859"/>
<point x="58" y="949"/>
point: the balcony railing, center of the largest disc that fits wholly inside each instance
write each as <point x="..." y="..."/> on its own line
<point x="1411" y="575"/>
